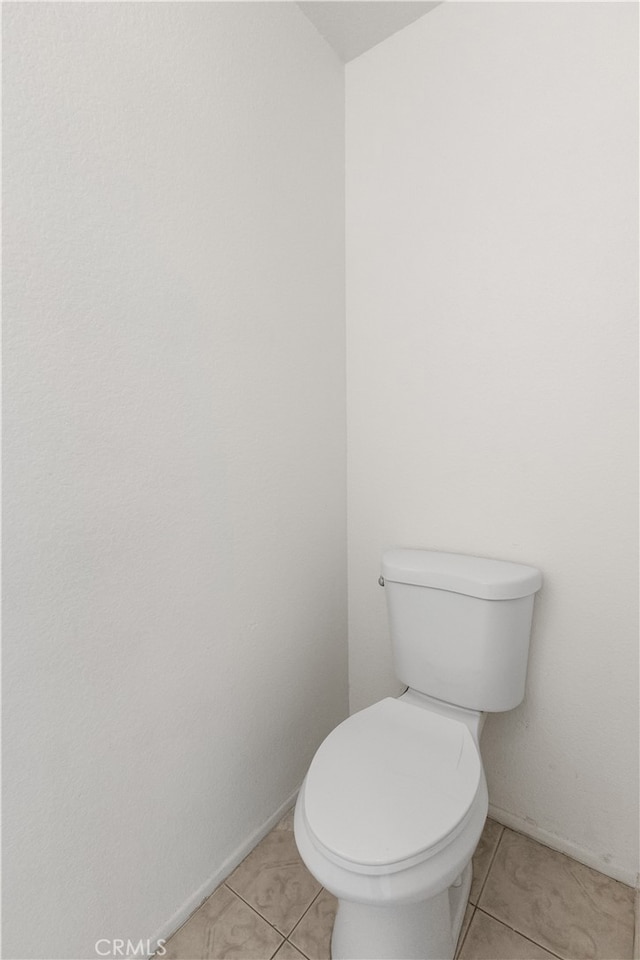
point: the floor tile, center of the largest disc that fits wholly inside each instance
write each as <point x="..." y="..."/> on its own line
<point x="223" y="928"/>
<point x="488" y="939"/>
<point x="287" y="821"/>
<point x="568" y="908"/>
<point x="483" y="856"/>
<point x="274" y="880"/>
<point x="313" y="934"/>
<point x="466" y="920"/>
<point x="288" y="952"/>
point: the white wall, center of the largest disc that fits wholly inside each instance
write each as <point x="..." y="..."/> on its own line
<point x="175" y="614"/>
<point x="491" y="316"/>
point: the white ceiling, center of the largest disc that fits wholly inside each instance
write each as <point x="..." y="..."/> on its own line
<point x="353" y="26"/>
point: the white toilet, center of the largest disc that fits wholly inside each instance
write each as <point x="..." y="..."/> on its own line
<point x="393" y="805"/>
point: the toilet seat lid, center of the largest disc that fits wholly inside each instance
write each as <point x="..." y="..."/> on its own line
<point x="390" y="783"/>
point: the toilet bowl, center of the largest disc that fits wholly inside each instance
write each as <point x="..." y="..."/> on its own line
<point x="387" y="819"/>
<point x="395" y="800"/>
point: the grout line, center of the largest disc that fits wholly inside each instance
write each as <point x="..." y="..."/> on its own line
<point x="491" y="862"/>
<point x="519" y="932"/>
<point x="321" y="890"/>
<point x="272" y="925"/>
<point x="301" y="952"/>
<point x="466" y="933"/>
<point x="255" y="910"/>
<point x="279" y="947"/>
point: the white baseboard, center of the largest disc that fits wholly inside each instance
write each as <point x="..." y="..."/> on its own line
<point x="612" y="869"/>
<point x="206" y="889"/>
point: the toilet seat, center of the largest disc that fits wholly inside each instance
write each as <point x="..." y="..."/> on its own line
<point x="390" y="786"/>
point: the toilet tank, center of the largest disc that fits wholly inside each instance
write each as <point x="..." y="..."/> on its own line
<point x="460" y="625"/>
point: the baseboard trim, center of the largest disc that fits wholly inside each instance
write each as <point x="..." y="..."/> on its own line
<point x="612" y="869"/>
<point x="206" y="889"/>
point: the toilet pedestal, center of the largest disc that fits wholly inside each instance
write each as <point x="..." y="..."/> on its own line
<point x="427" y="930"/>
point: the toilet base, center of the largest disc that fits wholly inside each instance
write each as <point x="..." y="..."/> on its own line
<point x="427" y="930"/>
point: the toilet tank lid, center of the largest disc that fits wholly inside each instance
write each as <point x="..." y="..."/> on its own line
<point x="473" y="576"/>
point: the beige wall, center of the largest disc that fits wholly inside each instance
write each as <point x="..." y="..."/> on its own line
<point x="175" y="620"/>
<point x="491" y="325"/>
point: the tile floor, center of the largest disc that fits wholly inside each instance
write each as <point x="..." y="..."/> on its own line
<point x="527" y="902"/>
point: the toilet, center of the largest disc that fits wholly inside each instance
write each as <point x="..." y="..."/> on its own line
<point x="395" y="800"/>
